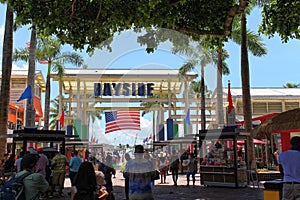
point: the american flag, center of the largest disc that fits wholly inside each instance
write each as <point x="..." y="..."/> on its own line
<point x="122" y="120"/>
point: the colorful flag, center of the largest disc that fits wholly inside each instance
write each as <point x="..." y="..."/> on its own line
<point x="229" y="99"/>
<point x="62" y="119"/>
<point x="43" y="61"/>
<point x="187" y="117"/>
<point x="122" y="120"/>
<point x="26" y="94"/>
<point x="146" y="139"/>
<point x="32" y="145"/>
<point x="93" y="139"/>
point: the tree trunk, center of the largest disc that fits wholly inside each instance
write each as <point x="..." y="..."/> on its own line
<point x="6" y="74"/>
<point x="247" y="111"/>
<point x="47" y="102"/>
<point x="202" y="100"/>
<point x="220" y="111"/>
<point x="30" y="111"/>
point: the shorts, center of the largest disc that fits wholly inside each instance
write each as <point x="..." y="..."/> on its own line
<point x="58" y="178"/>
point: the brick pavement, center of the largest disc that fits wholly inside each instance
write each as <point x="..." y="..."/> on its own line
<point x="169" y="192"/>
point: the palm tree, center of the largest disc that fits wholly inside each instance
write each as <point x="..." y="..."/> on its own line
<point x="291" y="85"/>
<point x="30" y="111"/>
<point x="6" y="74"/>
<point x="94" y="115"/>
<point x="199" y="54"/>
<point x="195" y="90"/>
<point x="54" y="112"/>
<point x="49" y="50"/>
<point x="247" y="111"/>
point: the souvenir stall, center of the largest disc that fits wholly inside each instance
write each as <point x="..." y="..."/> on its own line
<point x="221" y="165"/>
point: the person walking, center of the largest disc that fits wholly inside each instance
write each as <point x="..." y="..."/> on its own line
<point x="59" y="163"/>
<point x="289" y="165"/>
<point x="34" y="183"/>
<point x="174" y="166"/>
<point x="140" y="172"/>
<point x="162" y="168"/>
<point x="127" y="158"/>
<point x="42" y="162"/>
<point x="74" y="165"/>
<point x="192" y="169"/>
<point x="275" y="158"/>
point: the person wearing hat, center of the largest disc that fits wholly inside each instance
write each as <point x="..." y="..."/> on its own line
<point x="141" y="173"/>
<point x="289" y="166"/>
<point x="42" y="162"/>
<point x="34" y="183"/>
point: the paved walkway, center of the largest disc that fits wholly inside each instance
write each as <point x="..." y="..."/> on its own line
<point x="169" y="192"/>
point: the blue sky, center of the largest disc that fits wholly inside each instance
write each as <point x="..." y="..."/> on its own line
<point x="279" y="66"/>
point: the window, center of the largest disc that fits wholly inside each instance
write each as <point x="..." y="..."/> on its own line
<point x="274" y="107"/>
<point x="260" y="108"/>
<point x="37" y="91"/>
<point x="291" y="105"/>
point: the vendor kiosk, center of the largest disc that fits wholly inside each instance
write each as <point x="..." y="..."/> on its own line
<point x="49" y="137"/>
<point x="221" y="165"/>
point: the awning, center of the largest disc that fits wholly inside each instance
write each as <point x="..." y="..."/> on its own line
<point x="258" y="120"/>
<point x="255" y="141"/>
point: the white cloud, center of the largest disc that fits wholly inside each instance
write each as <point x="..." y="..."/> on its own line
<point x="145" y="123"/>
<point x="23" y="67"/>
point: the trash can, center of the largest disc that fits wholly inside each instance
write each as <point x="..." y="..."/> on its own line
<point x="273" y="189"/>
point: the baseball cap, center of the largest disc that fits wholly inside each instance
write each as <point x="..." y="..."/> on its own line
<point x="40" y="150"/>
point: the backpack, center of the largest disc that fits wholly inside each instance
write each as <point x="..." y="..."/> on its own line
<point x="13" y="189"/>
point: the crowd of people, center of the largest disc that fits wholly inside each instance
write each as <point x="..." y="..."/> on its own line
<point x="90" y="178"/>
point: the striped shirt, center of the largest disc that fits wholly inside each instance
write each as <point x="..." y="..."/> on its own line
<point x="59" y="163"/>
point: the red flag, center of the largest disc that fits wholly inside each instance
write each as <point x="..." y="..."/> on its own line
<point x="43" y="61"/>
<point x="122" y="120"/>
<point x="62" y="119"/>
<point x="229" y="99"/>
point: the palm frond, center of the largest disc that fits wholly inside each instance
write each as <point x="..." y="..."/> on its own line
<point x="21" y="54"/>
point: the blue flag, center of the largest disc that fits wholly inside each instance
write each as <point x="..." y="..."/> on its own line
<point x="187" y="117"/>
<point x="26" y="94"/>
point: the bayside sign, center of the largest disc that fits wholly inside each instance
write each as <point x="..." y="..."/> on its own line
<point x="126" y="89"/>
